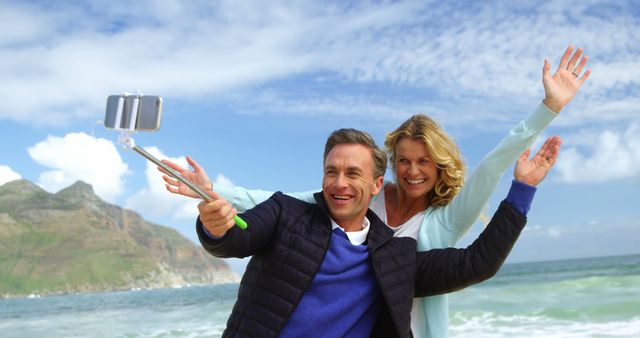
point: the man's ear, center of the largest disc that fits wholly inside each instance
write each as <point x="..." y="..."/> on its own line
<point x="377" y="185"/>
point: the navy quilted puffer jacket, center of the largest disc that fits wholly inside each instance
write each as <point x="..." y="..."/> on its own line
<point x="288" y="240"/>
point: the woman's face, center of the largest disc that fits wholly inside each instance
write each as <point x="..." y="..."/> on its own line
<point x="416" y="172"/>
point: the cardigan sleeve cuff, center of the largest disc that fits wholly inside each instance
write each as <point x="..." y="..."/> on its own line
<point x="540" y="118"/>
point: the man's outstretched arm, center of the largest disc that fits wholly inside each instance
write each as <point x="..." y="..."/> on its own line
<point x="446" y="270"/>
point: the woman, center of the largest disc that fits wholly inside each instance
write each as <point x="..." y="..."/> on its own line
<point x="427" y="200"/>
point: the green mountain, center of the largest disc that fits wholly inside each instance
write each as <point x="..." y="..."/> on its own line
<point x="72" y="241"/>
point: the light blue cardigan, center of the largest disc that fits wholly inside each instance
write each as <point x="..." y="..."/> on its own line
<point x="442" y="226"/>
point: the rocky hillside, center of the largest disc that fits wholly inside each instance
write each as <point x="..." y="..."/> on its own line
<point x="74" y="242"/>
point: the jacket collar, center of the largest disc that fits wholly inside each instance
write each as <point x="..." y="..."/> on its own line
<point x="379" y="232"/>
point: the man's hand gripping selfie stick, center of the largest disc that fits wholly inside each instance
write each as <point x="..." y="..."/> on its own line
<point x="128" y="142"/>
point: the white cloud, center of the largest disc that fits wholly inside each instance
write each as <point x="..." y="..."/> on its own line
<point x="154" y="200"/>
<point x="25" y="26"/>
<point x="186" y="54"/>
<point x="554" y="232"/>
<point x="194" y="49"/>
<point x="223" y="180"/>
<point x="601" y="156"/>
<point x="8" y="175"/>
<point x="616" y="236"/>
<point x="186" y="210"/>
<point x="78" y="156"/>
<point x="362" y="107"/>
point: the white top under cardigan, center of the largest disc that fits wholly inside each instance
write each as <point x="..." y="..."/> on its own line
<point x="441" y="227"/>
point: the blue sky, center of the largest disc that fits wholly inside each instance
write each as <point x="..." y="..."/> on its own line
<point x="253" y="88"/>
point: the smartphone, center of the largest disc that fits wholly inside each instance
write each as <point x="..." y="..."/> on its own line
<point x="133" y="112"/>
<point x="149" y="113"/>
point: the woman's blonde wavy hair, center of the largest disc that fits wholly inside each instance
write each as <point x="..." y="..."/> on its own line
<point x="442" y="150"/>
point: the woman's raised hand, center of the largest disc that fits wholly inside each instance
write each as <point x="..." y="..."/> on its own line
<point x="533" y="171"/>
<point x="562" y="86"/>
<point x="197" y="176"/>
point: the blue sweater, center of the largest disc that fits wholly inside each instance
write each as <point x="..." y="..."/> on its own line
<point x="343" y="299"/>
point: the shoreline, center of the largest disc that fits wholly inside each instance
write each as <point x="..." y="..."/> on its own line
<point x="114" y="290"/>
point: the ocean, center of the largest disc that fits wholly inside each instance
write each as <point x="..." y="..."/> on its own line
<point x="595" y="297"/>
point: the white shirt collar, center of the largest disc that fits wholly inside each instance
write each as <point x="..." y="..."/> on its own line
<point x="355" y="237"/>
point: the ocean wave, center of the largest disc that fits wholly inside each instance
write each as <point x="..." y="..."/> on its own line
<point x="198" y="332"/>
<point x="492" y="325"/>
<point x="595" y="298"/>
<point x="590" y="284"/>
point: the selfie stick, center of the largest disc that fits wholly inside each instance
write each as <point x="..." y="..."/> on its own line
<point x="239" y="221"/>
<point x="128" y="142"/>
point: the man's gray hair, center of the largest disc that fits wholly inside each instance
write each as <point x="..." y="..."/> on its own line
<point x="354" y="136"/>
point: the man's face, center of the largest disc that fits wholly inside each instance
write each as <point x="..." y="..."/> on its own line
<point x="348" y="184"/>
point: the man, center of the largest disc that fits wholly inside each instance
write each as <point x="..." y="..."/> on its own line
<point x="333" y="268"/>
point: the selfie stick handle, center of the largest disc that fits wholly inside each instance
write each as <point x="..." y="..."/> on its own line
<point x="239" y="221"/>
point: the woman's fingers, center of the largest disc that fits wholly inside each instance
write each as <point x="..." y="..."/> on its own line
<point x="574" y="60"/>
<point x="564" y="61"/>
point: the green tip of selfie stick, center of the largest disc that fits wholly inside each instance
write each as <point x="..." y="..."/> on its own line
<point x="240" y="222"/>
